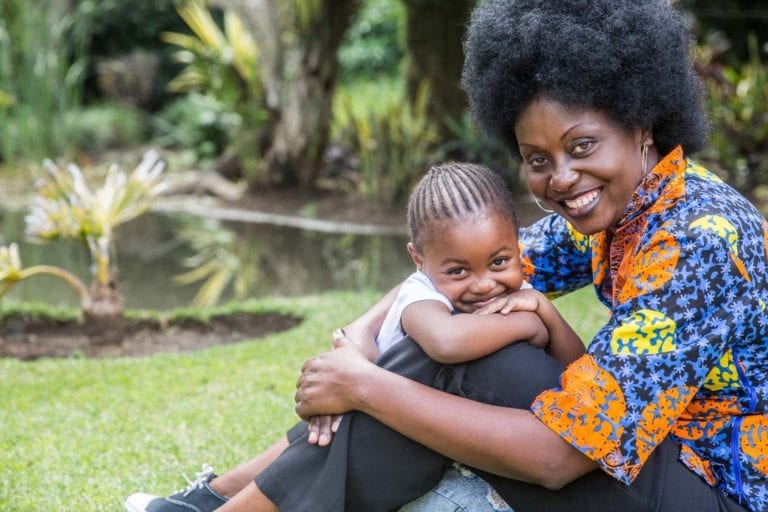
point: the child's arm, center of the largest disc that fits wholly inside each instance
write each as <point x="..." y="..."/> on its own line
<point x="448" y="338"/>
<point x="564" y="344"/>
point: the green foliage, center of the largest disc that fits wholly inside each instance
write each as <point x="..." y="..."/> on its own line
<point x="738" y="105"/>
<point x="118" y="28"/>
<point x="196" y="121"/>
<point x="42" y="64"/>
<point x="96" y="128"/>
<point x="469" y="144"/>
<point x="224" y="64"/>
<point x="394" y="145"/>
<point x="220" y="77"/>
<point x="373" y="44"/>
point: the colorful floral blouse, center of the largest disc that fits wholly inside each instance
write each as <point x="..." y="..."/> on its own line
<point x="685" y="352"/>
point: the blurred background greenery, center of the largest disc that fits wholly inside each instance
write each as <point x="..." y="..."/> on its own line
<point x="356" y="95"/>
<point x="353" y="98"/>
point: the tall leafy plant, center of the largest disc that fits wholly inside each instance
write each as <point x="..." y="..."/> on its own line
<point x="221" y="67"/>
<point x="290" y="85"/>
<point x="66" y="207"/>
<point x="42" y="68"/>
<point x="395" y="145"/>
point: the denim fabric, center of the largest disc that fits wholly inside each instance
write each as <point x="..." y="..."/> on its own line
<point x="460" y="490"/>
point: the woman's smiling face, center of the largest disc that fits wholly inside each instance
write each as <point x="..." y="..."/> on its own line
<point x="580" y="162"/>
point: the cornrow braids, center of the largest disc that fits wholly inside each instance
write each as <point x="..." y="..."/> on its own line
<point x="456" y="191"/>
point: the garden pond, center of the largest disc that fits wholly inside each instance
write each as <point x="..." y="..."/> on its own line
<point x="272" y="260"/>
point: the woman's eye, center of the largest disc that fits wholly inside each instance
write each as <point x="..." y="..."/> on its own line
<point x="537" y="163"/>
<point x="582" y="147"/>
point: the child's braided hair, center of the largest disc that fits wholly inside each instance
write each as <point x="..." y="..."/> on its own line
<point x="456" y="191"/>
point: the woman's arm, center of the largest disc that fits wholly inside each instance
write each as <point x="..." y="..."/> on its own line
<point x="364" y="329"/>
<point x="504" y="441"/>
<point x="448" y="338"/>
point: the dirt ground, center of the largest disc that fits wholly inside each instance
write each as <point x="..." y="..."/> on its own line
<point x="29" y="338"/>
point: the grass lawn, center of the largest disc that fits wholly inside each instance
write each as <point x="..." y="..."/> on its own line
<point x="81" y="434"/>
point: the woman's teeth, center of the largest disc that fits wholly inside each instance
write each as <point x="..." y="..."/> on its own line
<point x="582" y="200"/>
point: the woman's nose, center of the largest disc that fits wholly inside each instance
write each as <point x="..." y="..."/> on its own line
<point x="563" y="178"/>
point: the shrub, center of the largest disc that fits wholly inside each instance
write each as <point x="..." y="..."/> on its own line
<point x="738" y="105"/>
<point x="105" y="126"/>
<point x="373" y="43"/>
<point x="395" y="145"/>
<point x="196" y="121"/>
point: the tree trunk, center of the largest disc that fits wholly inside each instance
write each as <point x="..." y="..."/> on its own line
<point x="299" y="82"/>
<point x="104" y="314"/>
<point x="434" y="31"/>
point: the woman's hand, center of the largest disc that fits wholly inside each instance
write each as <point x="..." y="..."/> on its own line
<point x="322" y="428"/>
<point x="328" y="383"/>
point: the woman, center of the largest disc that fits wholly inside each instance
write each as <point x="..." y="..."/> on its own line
<point x="667" y="410"/>
<point x="600" y="100"/>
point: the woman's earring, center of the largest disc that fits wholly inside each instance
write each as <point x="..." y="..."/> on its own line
<point x="541" y="207"/>
<point x="645" y="160"/>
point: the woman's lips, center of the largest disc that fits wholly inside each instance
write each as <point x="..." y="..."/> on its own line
<point x="582" y="200"/>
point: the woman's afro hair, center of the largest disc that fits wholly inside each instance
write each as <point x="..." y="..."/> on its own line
<point x="629" y="58"/>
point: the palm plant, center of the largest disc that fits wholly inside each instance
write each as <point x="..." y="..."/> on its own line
<point x="394" y="146"/>
<point x="65" y="207"/>
<point x="221" y="63"/>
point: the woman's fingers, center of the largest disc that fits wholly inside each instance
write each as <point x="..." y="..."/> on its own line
<point x="321" y="429"/>
<point x="327" y="382"/>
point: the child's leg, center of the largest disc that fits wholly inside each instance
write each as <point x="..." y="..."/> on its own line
<point x="208" y="491"/>
<point x="249" y="499"/>
<point x="237" y="479"/>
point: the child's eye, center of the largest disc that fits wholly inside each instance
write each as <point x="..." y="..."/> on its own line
<point x="455" y="271"/>
<point x="498" y="262"/>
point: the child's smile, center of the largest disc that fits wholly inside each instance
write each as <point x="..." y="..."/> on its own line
<point x="472" y="261"/>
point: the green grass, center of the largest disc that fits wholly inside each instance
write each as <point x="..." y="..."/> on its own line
<point x="82" y="434"/>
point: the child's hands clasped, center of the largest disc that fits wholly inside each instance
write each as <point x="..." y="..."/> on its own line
<point x="521" y="300"/>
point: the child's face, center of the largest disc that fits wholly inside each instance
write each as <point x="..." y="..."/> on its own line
<point x="472" y="262"/>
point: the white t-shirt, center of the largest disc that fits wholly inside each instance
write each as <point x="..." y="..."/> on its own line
<point x="417" y="287"/>
<point x="414" y="289"/>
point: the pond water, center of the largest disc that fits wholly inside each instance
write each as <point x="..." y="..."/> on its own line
<point x="275" y="260"/>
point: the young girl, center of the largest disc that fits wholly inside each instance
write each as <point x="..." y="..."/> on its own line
<point x="463" y="241"/>
<point x="463" y="230"/>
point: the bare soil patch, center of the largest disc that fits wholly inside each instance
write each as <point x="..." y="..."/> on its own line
<point x="30" y="337"/>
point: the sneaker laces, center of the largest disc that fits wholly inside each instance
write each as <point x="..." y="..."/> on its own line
<point x="201" y="478"/>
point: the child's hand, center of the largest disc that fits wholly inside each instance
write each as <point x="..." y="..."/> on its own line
<point x="522" y="300"/>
